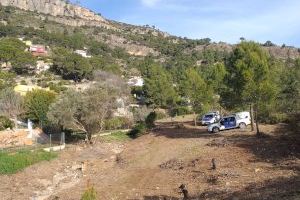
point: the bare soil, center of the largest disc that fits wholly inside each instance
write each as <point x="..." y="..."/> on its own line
<point x="153" y="166"/>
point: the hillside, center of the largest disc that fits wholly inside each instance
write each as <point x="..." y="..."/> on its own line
<point x="136" y="40"/>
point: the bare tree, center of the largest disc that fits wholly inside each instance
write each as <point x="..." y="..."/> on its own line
<point x="11" y="104"/>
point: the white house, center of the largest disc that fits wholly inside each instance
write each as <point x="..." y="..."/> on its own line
<point x="136" y="81"/>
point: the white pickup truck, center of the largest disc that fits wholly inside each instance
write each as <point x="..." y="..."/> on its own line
<point x="237" y="120"/>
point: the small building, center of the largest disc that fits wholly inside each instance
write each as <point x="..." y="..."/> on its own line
<point x="83" y="53"/>
<point x="136" y="81"/>
<point x="38" y="50"/>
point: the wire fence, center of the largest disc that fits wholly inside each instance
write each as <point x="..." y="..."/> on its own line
<point x="38" y="142"/>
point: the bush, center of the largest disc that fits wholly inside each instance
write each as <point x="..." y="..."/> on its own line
<point x="23" y="82"/>
<point x="150" y="119"/>
<point x="5" y="123"/>
<point x="89" y="194"/>
<point x="138" y="130"/>
<point x="160" y="115"/>
<point x="117" y="123"/>
<point x="180" y="110"/>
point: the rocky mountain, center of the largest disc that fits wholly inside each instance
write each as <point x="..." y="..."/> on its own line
<point x="136" y="40"/>
<point x="55" y="8"/>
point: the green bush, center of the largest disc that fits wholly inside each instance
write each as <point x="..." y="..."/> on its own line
<point x="117" y="123"/>
<point x="89" y="194"/>
<point x="116" y="136"/>
<point x="274" y="118"/>
<point x="23" y="82"/>
<point x="57" y="87"/>
<point x="180" y="110"/>
<point x="5" y="123"/>
<point x="150" y="119"/>
<point x="138" y="130"/>
<point x="160" y="115"/>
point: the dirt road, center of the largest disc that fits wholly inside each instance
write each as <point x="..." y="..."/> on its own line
<point x="155" y="165"/>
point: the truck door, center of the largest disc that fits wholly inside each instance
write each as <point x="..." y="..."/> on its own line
<point x="232" y="122"/>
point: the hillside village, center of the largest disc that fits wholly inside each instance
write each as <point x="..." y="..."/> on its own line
<point x="92" y="108"/>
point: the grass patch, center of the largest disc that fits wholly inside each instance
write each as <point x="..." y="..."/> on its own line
<point x="116" y="136"/>
<point x="11" y="163"/>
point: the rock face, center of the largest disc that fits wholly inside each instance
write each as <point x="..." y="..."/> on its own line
<point x="54" y="8"/>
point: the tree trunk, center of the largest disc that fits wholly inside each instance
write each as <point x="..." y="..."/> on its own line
<point x="89" y="137"/>
<point x="16" y="122"/>
<point x="252" y="117"/>
<point x="195" y="119"/>
<point x="256" y="120"/>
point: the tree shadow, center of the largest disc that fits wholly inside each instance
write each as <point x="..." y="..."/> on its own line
<point x="278" y="189"/>
<point x="160" y="197"/>
<point x="273" y="147"/>
<point x="182" y="130"/>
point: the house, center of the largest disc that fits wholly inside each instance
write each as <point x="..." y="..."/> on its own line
<point x="136" y="81"/>
<point x="83" y="53"/>
<point x="38" y="50"/>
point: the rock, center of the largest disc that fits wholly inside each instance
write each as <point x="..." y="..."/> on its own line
<point x="54" y="8"/>
<point x="257" y="170"/>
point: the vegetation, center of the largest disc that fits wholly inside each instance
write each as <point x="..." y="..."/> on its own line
<point x="37" y="104"/>
<point x="5" y="123"/>
<point x="89" y="194"/>
<point x="11" y="104"/>
<point x="84" y="111"/>
<point x="117" y="136"/>
<point x="12" y="51"/>
<point x="249" y="78"/>
<point x="11" y="163"/>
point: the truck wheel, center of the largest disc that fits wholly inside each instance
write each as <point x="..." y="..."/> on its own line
<point x="215" y="130"/>
<point x="242" y="125"/>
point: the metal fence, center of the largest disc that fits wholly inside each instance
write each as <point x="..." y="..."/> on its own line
<point x="47" y="142"/>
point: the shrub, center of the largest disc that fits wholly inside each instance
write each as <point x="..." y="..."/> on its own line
<point x="160" y="115"/>
<point x="150" y="119"/>
<point x="117" y="123"/>
<point x="23" y="82"/>
<point x="5" y="123"/>
<point x="274" y="118"/>
<point x="89" y="194"/>
<point x="180" y="110"/>
<point x="138" y="130"/>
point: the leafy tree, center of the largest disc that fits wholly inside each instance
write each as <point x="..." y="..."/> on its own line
<point x="289" y="96"/>
<point x="85" y="111"/>
<point x="71" y="66"/>
<point x="11" y="104"/>
<point x="158" y="88"/>
<point x="248" y="77"/>
<point x="13" y="51"/>
<point x="196" y="91"/>
<point x="37" y="104"/>
<point x="214" y="76"/>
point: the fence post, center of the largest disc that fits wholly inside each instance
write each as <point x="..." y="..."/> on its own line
<point x="50" y="141"/>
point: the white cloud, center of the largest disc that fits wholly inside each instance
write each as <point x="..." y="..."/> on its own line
<point x="150" y="3"/>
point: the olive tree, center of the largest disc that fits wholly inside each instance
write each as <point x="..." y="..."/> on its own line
<point x="84" y="111"/>
<point x="11" y="104"/>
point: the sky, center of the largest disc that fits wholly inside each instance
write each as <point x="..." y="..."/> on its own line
<point x="220" y="20"/>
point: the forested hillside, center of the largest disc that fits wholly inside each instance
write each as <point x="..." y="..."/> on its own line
<point x="180" y="75"/>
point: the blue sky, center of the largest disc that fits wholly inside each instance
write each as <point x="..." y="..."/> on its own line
<point x="220" y="20"/>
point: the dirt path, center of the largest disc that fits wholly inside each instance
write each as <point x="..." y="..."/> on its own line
<point x="153" y="166"/>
